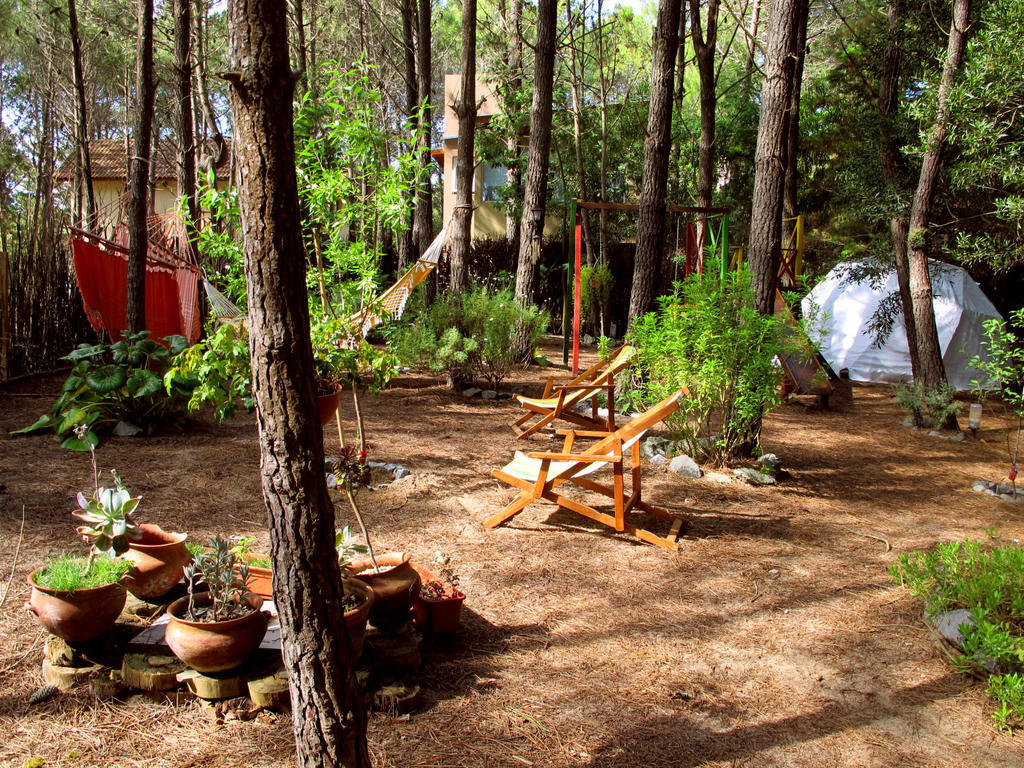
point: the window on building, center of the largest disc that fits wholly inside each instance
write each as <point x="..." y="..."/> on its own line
<point x="495" y="177"/>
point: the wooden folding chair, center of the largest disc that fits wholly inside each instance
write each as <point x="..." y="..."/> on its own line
<point x="538" y="474"/>
<point x="560" y="401"/>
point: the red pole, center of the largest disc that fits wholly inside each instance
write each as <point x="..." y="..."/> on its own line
<point x="576" y="300"/>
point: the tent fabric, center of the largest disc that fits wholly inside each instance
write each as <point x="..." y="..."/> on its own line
<point x="844" y="309"/>
<point x="102" y="275"/>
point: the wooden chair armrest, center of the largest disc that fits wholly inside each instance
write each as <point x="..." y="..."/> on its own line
<point x="589" y="458"/>
<point x="581" y="432"/>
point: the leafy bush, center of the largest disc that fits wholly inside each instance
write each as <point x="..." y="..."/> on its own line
<point x="708" y="337"/>
<point x="116" y="382"/>
<point x="988" y="584"/>
<point x="927" y="407"/>
<point x="216" y="371"/>
<point x="1003" y="363"/>
<point x="470" y="335"/>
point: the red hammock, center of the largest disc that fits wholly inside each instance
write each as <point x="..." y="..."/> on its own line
<point x="172" y="290"/>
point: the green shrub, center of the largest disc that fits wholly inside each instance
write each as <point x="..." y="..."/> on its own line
<point x="68" y="573"/>
<point x="708" y="337"/>
<point x="470" y="335"/>
<point x="216" y="371"/>
<point x="116" y="382"/>
<point x="1003" y="364"/>
<point x="927" y="407"/>
<point x="988" y="584"/>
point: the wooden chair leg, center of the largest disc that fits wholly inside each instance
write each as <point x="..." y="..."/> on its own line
<point x="510" y="511"/>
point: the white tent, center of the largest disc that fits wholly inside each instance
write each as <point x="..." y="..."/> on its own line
<point x="843" y="308"/>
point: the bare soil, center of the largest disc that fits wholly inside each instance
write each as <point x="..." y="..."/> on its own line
<point x="772" y="638"/>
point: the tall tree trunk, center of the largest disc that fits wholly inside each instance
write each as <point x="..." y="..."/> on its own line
<point x="751" y="36"/>
<point x="214" y="153"/>
<point x="603" y="110"/>
<point x="465" y="109"/>
<point x="407" y="240"/>
<point x="423" y="218"/>
<point x="577" y="55"/>
<point x="135" y="319"/>
<point x="888" y="108"/>
<point x="704" y="45"/>
<point x="650" y="229"/>
<point x="789" y="201"/>
<point x="676" y="165"/>
<point x="535" y="191"/>
<point x="184" y="118"/>
<point x="329" y="718"/>
<point x="765" y="241"/>
<point x="88" y="221"/>
<point x="514" y="178"/>
<point x="929" y="353"/>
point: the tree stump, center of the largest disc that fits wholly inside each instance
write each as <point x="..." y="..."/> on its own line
<point x="66" y="678"/>
<point x="397" y="698"/>
<point x="228" y="686"/>
<point x="149" y="672"/>
<point x="271" y="690"/>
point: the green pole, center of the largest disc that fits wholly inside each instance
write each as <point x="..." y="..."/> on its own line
<point x="723" y="246"/>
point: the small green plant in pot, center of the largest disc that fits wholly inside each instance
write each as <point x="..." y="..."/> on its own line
<point x="216" y="629"/>
<point x="391" y="576"/>
<point x="438" y="607"/>
<point x="79" y="598"/>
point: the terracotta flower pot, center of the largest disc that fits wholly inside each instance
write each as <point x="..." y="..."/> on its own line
<point x="395" y="587"/>
<point x="356" y="618"/>
<point x="79" y="615"/>
<point x="436" y="614"/>
<point x="327" y="405"/>
<point x="159" y="558"/>
<point x="261" y="582"/>
<point x="214" y="646"/>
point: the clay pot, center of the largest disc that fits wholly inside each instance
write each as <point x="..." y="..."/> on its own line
<point x="215" y="646"/>
<point x="79" y="615"/>
<point x="395" y="588"/>
<point x="160" y="558"/>
<point x="356" y="618"/>
<point x="327" y="405"/>
<point x="436" y="616"/>
<point x="261" y="582"/>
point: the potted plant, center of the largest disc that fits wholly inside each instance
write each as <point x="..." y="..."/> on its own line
<point x="158" y="557"/>
<point x="261" y="576"/>
<point x="438" y="606"/>
<point x="216" y="630"/>
<point x="357" y="596"/>
<point x="77" y="598"/>
<point x="391" y="576"/>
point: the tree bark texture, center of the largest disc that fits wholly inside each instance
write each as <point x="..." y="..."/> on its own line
<point x="89" y="220"/>
<point x="765" y="242"/>
<point x="423" y="218"/>
<point x="465" y="109"/>
<point x="888" y="108"/>
<point x="577" y="57"/>
<point x="705" y="45"/>
<point x="933" y="372"/>
<point x="536" y="183"/>
<point x="514" y="144"/>
<point x="329" y="719"/>
<point x="789" y="195"/>
<point x="407" y="240"/>
<point x="135" y="319"/>
<point x="650" y="230"/>
<point x="185" y="119"/>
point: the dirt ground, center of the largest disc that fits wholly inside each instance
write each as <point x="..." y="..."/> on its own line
<point x="772" y="638"/>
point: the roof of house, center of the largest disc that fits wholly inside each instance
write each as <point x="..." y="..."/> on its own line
<point x="109" y="160"/>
